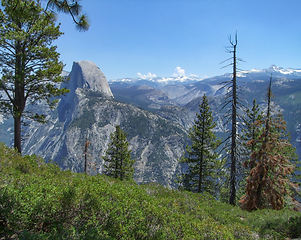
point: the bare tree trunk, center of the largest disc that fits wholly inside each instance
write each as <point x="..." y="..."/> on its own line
<point x="87" y="144"/>
<point x="233" y="134"/>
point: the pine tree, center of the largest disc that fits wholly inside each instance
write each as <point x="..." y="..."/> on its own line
<point x="270" y="163"/>
<point x="72" y="7"/>
<point x="29" y="63"/>
<point x="251" y="131"/>
<point x="201" y="157"/>
<point x="118" y="162"/>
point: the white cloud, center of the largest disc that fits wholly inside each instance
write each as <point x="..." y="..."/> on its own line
<point x="147" y="76"/>
<point x="179" y="72"/>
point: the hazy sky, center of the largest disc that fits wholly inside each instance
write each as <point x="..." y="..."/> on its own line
<point x="131" y="38"/>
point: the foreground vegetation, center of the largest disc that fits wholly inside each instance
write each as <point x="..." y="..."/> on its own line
<point x="40" y="201"/>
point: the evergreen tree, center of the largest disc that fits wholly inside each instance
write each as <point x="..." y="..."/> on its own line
<point x="66" y="6"/>
<point x="30" y="64"/>
<point x="71" y="7"/>
<point x="250" y="133"/>
<point x="270" y="163"/>
<point x="251" y="130"/>
<point x="118" y="162"/>
<point x="201" y="156"/>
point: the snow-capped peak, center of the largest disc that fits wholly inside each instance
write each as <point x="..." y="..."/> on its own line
<point x="276" y="69"/>
<point x="160" y="80"/>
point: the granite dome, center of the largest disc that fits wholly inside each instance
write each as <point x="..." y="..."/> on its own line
<point x="87" y="75"/>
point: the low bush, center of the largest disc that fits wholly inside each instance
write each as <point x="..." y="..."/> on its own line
<point x="40" y="201"/>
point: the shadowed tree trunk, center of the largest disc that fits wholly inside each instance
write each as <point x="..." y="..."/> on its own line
<point x="234" y="132"/>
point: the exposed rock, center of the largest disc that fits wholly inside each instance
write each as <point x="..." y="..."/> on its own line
<point x="87" y="75"/>
<point x="156" y="138"/>
<point x="90" y="112"/>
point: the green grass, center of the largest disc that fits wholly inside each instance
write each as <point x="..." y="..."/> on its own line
<point x="40" y="201"/>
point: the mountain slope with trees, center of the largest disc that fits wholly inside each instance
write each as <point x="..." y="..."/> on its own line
<point x="89" y="109"/>
<point x="157" y="137"/>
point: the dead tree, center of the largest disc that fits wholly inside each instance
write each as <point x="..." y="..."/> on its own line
<point x="234" y="103"/>
<point x="86" y="154"/>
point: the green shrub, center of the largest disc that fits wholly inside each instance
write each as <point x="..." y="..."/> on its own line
<point x="40" y="201"/>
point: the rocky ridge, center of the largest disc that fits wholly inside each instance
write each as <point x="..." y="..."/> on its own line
<point x="157" y="137"/>
<point x="89" y="111"/>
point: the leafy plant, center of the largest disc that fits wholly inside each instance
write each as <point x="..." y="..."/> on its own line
<point x="40" y="201"/>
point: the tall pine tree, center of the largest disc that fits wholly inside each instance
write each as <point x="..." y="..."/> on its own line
<point x="118" y="162"/>
<point x="250" y="132"/>
<point x="30" y="66"/>
<point x="201" y="157"/>
<point x="270" y="163"/>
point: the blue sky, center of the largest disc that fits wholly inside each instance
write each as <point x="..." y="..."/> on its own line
<point x="128" y="37"/>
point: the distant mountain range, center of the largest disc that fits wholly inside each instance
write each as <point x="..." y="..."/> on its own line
<point x="155" y="113"/>
<point x="177" y="98"/>
<point x="159" y="82"/>
<point x="182" y="90"/>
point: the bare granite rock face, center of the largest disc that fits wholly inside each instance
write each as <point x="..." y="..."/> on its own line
<point x="87" y="75"/>
<point x="89" y="111"/>
<point x="54" y="140"/>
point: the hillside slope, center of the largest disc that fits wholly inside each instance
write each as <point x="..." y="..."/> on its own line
<point x="40" y="201"/>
